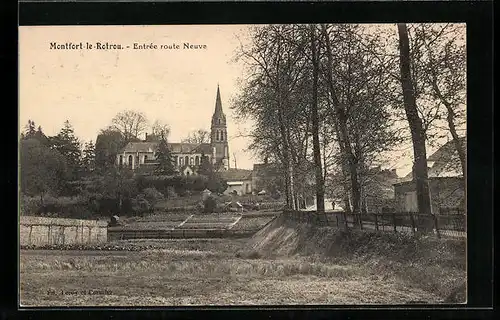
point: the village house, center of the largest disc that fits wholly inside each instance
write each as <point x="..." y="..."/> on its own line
<point x="238" y="181"/>
<point x="446" y="183"/>
<point x="187" y="157"/>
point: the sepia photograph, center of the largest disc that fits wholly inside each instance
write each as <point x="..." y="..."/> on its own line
<point x="242" y="165"/>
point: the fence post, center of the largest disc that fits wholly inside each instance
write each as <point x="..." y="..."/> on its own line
<point x="48" y="236"/>
<point x="436" y="226"/>
<point x="63" y="234"/>
<point x="345" y="221"/>
<point x="412" y="223"/>
<point x="376" y="222"/>
<point x="394" y="221"/>
<point x="29" y="237"/>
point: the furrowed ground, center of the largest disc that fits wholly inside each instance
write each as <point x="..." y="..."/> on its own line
<point x="282" y="264"/>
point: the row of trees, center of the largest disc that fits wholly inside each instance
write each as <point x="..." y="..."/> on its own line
<point x="334" y="99"/>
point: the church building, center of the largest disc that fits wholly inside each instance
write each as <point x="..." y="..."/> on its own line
<point x="187" y="157"/>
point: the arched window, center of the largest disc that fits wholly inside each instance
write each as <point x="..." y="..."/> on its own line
<point x="186" y="160"/>
<point x="145" y="158"/>
<point x="120" y="162"/>
<point x="180" y="161"/>
<point x="197" y="161"/>
<point x="222" y="135"/>
<point x="130" y="159"/>
<point x="218" y="121"/>
<point x="217" y="135"/>
<point x="191" y="161"/>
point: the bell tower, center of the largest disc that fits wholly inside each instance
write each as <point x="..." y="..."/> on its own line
<point x="218" y="136"/>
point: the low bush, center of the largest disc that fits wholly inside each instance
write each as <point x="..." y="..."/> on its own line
<point x="210" y="205"/>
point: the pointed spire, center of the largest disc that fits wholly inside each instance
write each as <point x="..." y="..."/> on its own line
<point x="218" y="103"/>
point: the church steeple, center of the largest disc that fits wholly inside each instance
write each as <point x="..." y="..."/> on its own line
<point x="218" y="113"/>
<point x="218" y="136"/>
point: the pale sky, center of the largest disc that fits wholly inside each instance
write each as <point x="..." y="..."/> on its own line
<point x="178" y="87"/>
<point x="89" y="87"/>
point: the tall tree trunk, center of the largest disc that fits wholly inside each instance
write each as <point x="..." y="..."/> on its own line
<point x="320" y="184"/>
<point x="456" y="140"/>
<point x="348" y="155"/>
<point x="345" y="173"/>
<point x="420" y="175"/>
<point x="289" y="183"/>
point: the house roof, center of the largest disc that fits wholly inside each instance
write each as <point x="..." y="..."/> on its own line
<point x="446" y="162"/>
<point x="151" y="146"/>
<point x="236" y="174"/>
<point x="448" y="152"/>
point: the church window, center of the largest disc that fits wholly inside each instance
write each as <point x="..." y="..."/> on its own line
<point x="180" y="161"/>
<point x="145" y="158"/>
<point x="222" y="135"/>
<point x="197" y="161"/>
<point x="121" y="161"/>
<point x="191" y="161"/>
<point x="130" y="159"/>
<point x="218" y="121"/>
<point x="186" y="160"/>
<point x="217" y="135"/>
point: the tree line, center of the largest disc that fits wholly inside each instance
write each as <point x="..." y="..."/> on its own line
<point x="62" y="165"/>
<point x="332" y="100"/>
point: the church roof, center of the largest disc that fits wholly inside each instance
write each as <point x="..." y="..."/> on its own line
<point x="190" y="148"/>
<point x="152" y="146"/>
<point x="141" y="146"/>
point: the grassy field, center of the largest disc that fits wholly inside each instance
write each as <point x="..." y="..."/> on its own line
<point x="216" y="272"/>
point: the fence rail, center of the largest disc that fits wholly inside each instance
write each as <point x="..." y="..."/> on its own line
<point x="125" y="234"/>
<point x="449" y="225"/>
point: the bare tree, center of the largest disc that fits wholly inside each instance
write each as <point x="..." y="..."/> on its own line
<point x="445" y="71"/>
<point x="320" y="184"/>
<point x="130" y="123"/>
<point x="160" y="130"/>
<point x="198" y="136"/>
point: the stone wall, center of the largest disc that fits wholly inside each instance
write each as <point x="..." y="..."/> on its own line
<point x="41" y="231"/>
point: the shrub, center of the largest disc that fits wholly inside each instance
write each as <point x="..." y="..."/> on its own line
<point x="209" y="205"/>
<point x="170" y="193"/>
<point x="152" y="195"/>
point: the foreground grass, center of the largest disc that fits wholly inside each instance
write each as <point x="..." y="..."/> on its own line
<point x="202" y="272"/>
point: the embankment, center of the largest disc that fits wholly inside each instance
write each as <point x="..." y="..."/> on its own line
<point x="431" y="264"/>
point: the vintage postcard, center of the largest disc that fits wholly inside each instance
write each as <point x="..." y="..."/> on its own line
<point x="295" y="164"/>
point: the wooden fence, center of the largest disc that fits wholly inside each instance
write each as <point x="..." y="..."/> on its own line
<point x="116" y="233"/>
<point x="451" y="225"/>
